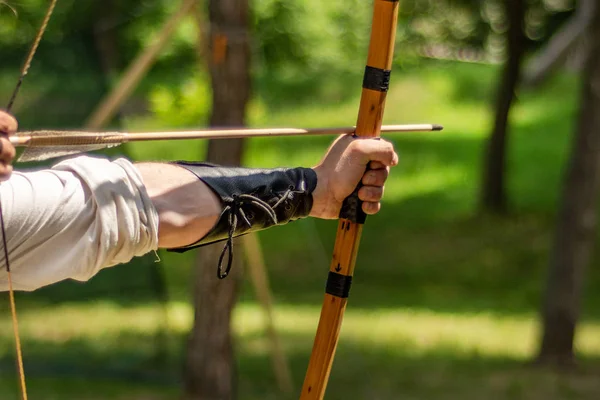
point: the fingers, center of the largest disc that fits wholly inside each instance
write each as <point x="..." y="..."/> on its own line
<point x="5" y="171"/>
<point x="375" y="176"/>
<point x="371" y="197"/>
<point x="344" y="166"/>
<point x="7" y="154"/>
<point x="7" y="150"/>
<point x="375" y="151"/>
<point x="372" y="194"/>
<point x="372" y="191"/>
<point x="376" y="165"/>
<point x="8" y="125"/>
<point x="371" y="208"/>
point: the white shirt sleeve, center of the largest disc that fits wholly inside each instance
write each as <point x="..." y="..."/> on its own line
<point x="71" y="221"/>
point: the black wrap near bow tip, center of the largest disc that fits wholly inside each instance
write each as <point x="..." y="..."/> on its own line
<point x="253" y="199"/>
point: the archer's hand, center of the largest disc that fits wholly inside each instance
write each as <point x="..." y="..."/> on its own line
<point x="344" y="167"/>
<point x="8" y="126"/>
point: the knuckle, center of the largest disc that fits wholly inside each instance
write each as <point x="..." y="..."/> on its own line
<point x="374" y="193"/>
<point x="11" y="153"/>
<point x="363" y="193"/>
<point x="11" y="150"/>
<point x="382" y="175"/>
<point x="8" y="124"/>
<point x="390" y="152"/>
<point x="370" y="178"/>
<point x="371" y="207"/>
<point x="355" y="147"/>
<point x="7" y="150"/>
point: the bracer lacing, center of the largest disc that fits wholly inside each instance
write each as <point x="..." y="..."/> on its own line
<point x="235" y="212"/>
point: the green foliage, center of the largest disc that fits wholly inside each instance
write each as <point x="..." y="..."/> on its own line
<point x="305" y="47"/>
<point x="185" y="105"/>
<point x="452" y="298"/>
<point x="311" y="48"/>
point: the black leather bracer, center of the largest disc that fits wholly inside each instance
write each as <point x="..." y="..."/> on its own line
<point x="252" y="200"/>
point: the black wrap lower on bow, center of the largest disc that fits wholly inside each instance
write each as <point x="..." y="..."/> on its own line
<point x="252" y="200"/>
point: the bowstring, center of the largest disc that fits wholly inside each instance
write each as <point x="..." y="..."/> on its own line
<point x="31" y="54"/>
<point x="13" y="307"/>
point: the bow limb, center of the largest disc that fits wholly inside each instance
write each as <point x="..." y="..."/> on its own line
<point x="370" y="115"/>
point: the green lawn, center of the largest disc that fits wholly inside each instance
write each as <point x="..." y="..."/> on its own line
<point x="444" y="302"/>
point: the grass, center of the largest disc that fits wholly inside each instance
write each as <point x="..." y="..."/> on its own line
<point x="445" y="301"/>
<point x="414" y="352"/>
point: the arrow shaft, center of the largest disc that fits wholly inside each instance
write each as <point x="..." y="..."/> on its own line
<point x="75" y="138"/>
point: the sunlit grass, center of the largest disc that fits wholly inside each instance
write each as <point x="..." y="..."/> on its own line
<point x="407" y="332"/>
<point x="387" y="353"/>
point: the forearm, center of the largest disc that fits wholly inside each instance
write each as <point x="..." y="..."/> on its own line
<point x="86" y="214"/>
<point x="198" y="204"/>
<point x="187" y="208"/>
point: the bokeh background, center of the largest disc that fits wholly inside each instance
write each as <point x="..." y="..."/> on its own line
<point x="485" y="232"/>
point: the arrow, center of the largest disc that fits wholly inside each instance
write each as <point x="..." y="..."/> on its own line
<point x="47" y="144"/>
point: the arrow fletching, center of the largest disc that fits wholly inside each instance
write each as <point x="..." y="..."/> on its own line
<point x="45" y="145"/>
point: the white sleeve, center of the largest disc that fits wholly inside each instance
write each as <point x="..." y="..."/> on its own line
<point x="71" y="221"/>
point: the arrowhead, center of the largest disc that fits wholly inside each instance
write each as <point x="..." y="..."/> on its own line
<point x="338" y="268"/>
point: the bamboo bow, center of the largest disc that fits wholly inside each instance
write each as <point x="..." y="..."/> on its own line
<point x="370" y="115"/>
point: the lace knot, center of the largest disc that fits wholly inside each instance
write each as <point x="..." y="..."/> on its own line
<point x="235" y="212"/>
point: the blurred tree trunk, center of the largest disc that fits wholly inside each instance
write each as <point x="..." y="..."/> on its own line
<point x="107" y="39"/>
<point x="209" y="373"/>
<point x="577" y="220"/>
<point x="493" y="195"/>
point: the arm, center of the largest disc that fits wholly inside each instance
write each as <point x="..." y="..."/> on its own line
<point x="88" y="213"/>
<point x="188" y="208"/>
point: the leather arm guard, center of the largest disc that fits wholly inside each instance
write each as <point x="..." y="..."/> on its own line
<point x="252" y="200"/>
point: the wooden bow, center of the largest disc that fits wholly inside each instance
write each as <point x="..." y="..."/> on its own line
<point x="370" y="115"/>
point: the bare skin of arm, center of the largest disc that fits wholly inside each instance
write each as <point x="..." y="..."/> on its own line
<point x="188" y="209"/>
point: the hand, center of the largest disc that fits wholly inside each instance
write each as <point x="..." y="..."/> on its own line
<point x="8" y="126"/>
<point x="344" y="166"/>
